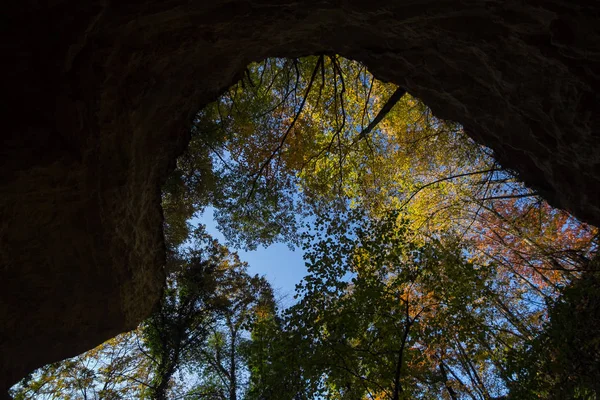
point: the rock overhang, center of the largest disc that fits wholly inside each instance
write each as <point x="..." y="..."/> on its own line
<point x="100" y="99"/>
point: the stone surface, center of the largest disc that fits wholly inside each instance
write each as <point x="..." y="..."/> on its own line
<point x="98" y="96"/>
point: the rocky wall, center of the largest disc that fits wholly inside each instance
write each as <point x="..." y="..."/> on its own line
<point x="98" y="98"/>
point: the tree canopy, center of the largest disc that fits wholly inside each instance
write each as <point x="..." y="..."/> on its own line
<point x="433" y="273"/>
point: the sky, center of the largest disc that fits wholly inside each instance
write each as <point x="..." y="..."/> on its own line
<point x="282" y="267"/>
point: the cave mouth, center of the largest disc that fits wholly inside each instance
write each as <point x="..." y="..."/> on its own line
<point x="319" y="141"/>
<point x="100" y="109"/>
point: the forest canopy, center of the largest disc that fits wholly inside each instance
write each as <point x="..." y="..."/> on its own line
<point x="433" y="273"/>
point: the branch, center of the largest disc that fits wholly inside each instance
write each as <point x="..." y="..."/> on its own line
<point x="447" y="179"/>
<point x="451" y="391"/>
<point x="285" y="135"/>
<point x="387" y="107"/>
<point x="337" y="70"/>
<point x="362" y="120"/>
<point x="510" y="196"/>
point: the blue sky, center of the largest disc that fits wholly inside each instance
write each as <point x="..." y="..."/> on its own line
<point x="283" y="267"/>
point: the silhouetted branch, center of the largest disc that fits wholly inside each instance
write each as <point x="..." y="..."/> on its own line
<point x="387" y="107"/>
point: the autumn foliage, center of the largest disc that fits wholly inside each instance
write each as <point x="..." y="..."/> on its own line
<point x="433" y="272"/>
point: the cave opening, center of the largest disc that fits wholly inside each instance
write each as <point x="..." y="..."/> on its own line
<point x="99" y="110"/>
<point x="412" y="229"/>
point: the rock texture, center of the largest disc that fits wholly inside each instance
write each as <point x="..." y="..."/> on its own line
<point x="98" y="96"/>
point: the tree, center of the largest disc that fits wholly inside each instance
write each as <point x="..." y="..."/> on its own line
<point x="223" y="360"/>
<point x="349" y="142"/>
<point x="326" y="126"/>
<point x="382" y="316"/>
<point x="273" y="357"/>
<point x="186" y="310"/>
<point x="201" y="324"/>
<point x="432" y="271"/>
<point x="200" y="329"/>
<point x="563" y="362"/>
<point x="300" y="137"/>
<point x="116" y="369"/>
<point x="188" y="189"/>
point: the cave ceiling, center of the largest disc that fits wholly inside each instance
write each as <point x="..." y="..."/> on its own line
<point x="99" y="96"/>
